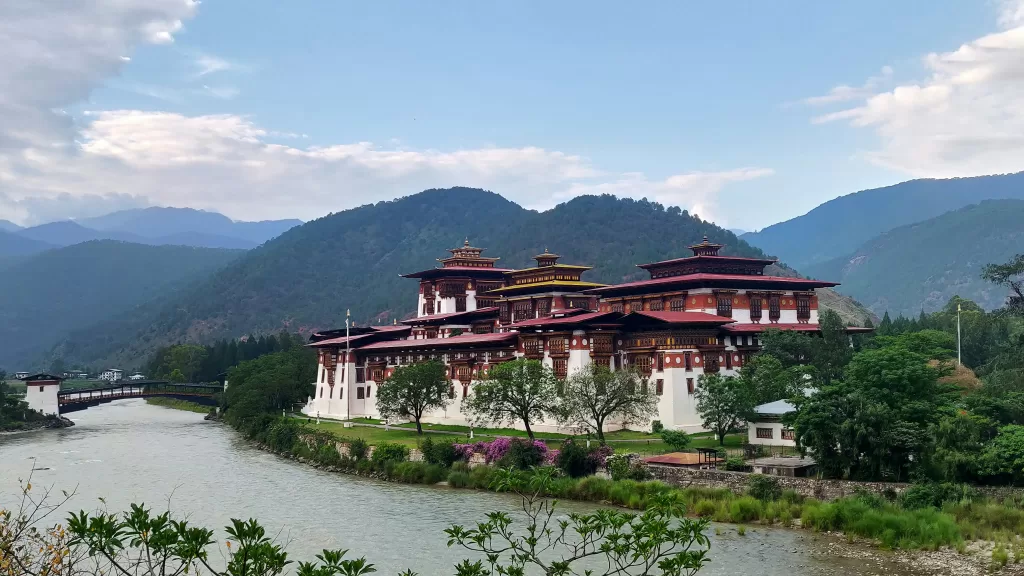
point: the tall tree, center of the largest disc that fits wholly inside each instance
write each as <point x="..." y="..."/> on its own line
<point x="413" y="390"/>
<point x="766" y="380"/>
<point x="188" y="359"/>
<point x="723" y="403"/>
<point x="833" y="352"/>
<point x="1010" y="275"/>
<point x="595" y="395"/>
<point x="518" y="391"/>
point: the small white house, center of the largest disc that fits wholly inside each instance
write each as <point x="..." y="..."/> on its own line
<point x="21" y="375"/>
<point x="136" y="376"/>
<point x="767" y="429"/>
<point x="112" y="374"/>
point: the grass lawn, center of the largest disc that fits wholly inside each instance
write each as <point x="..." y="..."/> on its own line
<point x="406" y="434"/>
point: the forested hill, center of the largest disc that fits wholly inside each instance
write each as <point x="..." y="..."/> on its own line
<point x="45" y="296"/>
<point x="306" y="278"/>
<point x="840" y="226"/>
<point x="922" y="265"/>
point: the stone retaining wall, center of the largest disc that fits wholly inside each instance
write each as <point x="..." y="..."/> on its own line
<point x="820" y="489"/>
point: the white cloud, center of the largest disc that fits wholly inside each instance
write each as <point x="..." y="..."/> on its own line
<point x="965" y="119"/>
<point x="228" y="163"/>
<point x="844" y="93"/>
<point x="53" y="166"/>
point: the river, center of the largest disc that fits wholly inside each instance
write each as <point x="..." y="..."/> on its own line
<point x="128" y="451"/>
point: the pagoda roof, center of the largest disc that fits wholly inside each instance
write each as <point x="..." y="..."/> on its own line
<point x="547" y="286"/>
<point x="706" y="280"/>
<point x="555" y="266"/>
<point x="488" y="271"/>
<point x="41" y="377"/>
<point x="448" y="317"/>
<point x="584" y="318"/>
<point x="495" y="338"/>
<point x="360" y="334"/>
<point x="651" y="317"/>
<point x="704" y="258"/>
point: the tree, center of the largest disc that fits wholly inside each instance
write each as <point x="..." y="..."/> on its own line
<point x="723" y="403"/>
<point x="1010" y="275"/>
<point x="1004" y="456"/>
<point x="413" y="390"/>
<point x="594" y="395"/>
<point x="518" y="391"/>
<point x="766" y="380"/>
<point x="832" y="352"/>
<point x="176" y="376"/>
<point x="187" y="358"/>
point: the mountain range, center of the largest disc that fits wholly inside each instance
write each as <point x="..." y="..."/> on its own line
<point x="44" y="297"/>
<point x="154" y="226"/>
<point x="921" y="266"/>
<point x="839" y="227"/>
<point x="309" y="276"/>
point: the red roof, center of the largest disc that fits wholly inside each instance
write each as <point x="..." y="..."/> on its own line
<point x="451" y="315"/>
<point x="679" y="317"/>
<point x="700" y="278"/>
<point x="573" y="319"/>
<point x="764" y="261"/>
<point x="682" y="459"/>
<point x="441" y="271"/>
<point x="466" y="339"/>
<point x="750" y="328"/>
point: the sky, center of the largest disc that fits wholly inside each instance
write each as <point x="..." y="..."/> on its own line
<point x="746" y="113"/>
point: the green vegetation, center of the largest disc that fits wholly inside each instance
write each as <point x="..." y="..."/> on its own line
<point x="595" y="395"/>
<point x="195" y="363"/>
<point x="522" y="390"/>
<point x="921" y="266"/>
<point x="179" y="405"/>
<point x="411" y="391"/>
<point x="96" y="287"/>
<point x="14" y="412"/>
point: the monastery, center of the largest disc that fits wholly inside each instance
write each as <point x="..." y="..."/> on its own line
<point x="695" y="315"/>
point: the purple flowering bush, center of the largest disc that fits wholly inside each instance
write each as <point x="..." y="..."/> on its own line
<point x="518" y="452"/>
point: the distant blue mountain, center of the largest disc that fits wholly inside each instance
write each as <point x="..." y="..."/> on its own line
<point x="8" y="226"/>
<point x="15" y="245"/>
<point x="839" y="227"/>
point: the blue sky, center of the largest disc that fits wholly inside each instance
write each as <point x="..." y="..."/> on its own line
<point x="274" y="109"/>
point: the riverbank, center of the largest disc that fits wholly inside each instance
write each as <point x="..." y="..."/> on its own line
<point x="47" y="423"/>
<point x="176" y="404"/>
<point x="983" y="534"/>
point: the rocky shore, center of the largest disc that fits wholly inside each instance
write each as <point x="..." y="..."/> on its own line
<point x="50" y="422"/>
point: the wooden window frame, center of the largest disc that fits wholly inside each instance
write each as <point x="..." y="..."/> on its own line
<point x="764" y="433"/>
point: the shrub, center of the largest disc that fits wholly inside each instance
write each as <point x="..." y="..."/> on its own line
<point x="327" y="454"/>
<point x="434" y="473"/>
<point x="497" y="449"/>
<point x="575" y="461"/>
<point x="521" y="454"/>
<point x="458" y="479"/>
<point x="657" y="426"/>
<point x="364" y="466"/>
<point x="627" y="467"/>
<point x="705" y="508"/>
<point x="357" y="448"/>
<point x="934" y="495"/>
<point x="443" y="452"/>
<point x="480" y="477"/>
<point x="408" y="472"/>
<point x="745" y="509"/>
<point x="736" y="464"/>
<point x="389" y="452"/>
<point x="676" y="439"/>
<point x="764" y="488"/>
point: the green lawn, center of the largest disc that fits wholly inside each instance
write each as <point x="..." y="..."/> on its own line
<point x="406" y="434"/>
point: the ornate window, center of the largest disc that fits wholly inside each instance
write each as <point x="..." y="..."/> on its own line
<point x="602" y="344"/>
<point x="755" y="308"/>
<point x="728" y="360"/>
<point x="543" y="307"/>
<point x="485" y="302"/>
<point x="677" y="305"/>
<point x="558" y="345"/>
<point x="460" y="303"/>
<point x="656" y="305"/>
<point x="688" y="360"/>
<point x="764" y="433"/>
<point x="503" y="313"/>
<point x="617" y="307"/>
<point x="725" y="305"/>
<point x="711" y="363"/>
<point x="533" y="348"/>
<point x="580" y="303"/>
<point x="689" y="386"/>
<point x="660" y="362"/>
<point x="774" y="307"/>
<point x="522" y="310"/>
<point x="788" y="434"/>
<point x="642" y="363"/>
<point x="803" y="307"/>
<point x="561" y="368"/>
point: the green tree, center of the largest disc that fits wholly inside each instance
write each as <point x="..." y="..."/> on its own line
<point x="518" y="391"/>
<point x="596" y="395"/>
<point x="270" y="383"/>
<point x="413" y="390"/>
<point x="676" y="439"/>
<point x="1010" y="275"/>
<point x="723" y="403"/>
<point x="832" y="352"/>
<point x="766" y="380"/>
<point x="187" y="358"/>
<point x="1004" y="456"/>
<point x="177" y="376"/>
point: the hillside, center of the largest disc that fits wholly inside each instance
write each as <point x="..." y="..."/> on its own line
<point x="44" y="297"/>
<point x="922" y="265"/>
<point x="310" y="275"/>
<point x="838" y="227"/>
<point x="167" y="224"/>
<point x="8" y="226"/>
<point x="14" y="245"/>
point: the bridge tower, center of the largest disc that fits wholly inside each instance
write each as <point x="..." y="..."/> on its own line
<point x="41" y="393"/>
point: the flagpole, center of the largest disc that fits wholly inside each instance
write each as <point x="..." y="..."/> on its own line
<point x="958" y="357"/>
<point x="348" y="355"/>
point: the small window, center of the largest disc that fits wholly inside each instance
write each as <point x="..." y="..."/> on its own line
<point x="451" y="391"/>
<point x="360" y="375"/>
<point x="788" y="434"/>
<point x="688" y="360"/>
<point x="728" y="360"/>
<point x="41" y="388"/>
<point x="659" y="386"/>
<point x="341" y="393"/>
<point x="321" y="391"/>
<point x="764" y="433"/>
<point x="689" y="385"/>
<point x="661" y="362"/>
<point x="368" y="391"/>
<point x="677" y="305"/>
<point x="360" y="393"/>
